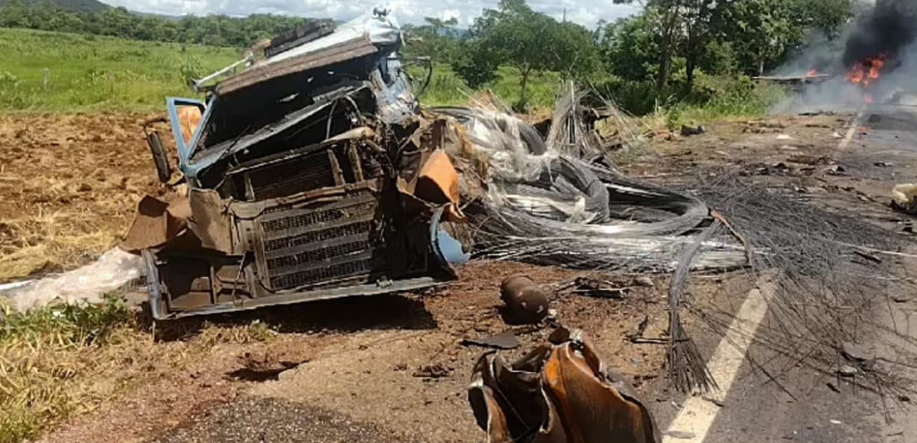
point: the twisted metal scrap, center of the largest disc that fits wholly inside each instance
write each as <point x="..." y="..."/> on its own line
<point x="546" y="204"/>
<point x="831" y="271"/>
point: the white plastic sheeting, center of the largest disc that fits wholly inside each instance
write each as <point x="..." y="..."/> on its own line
<point x="113" y="270"/>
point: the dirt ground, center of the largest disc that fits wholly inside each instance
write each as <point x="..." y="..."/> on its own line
<point x="69" y="187"/>
<point x="389" y="368"/>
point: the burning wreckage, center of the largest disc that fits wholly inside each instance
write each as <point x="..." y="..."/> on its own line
<point x="315" y="174"/>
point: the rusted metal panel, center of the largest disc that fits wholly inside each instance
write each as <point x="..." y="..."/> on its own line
<point x="210" y="221"/>
<point x="335" y="54"/>
<point x="357" y="290"/>
<point x="250" y="210"/>
<point x="337" y="173"/>
<point x="298" y="174"/>
<point x="355" y="162"/>
<point x="299" y="36"/>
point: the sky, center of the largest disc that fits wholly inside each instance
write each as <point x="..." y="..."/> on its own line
<point x="584" y="12"/>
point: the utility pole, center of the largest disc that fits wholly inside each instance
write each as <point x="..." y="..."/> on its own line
<point x="565" y="15"/>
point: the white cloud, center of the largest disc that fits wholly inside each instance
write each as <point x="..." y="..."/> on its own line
<point x="585" y="12"/>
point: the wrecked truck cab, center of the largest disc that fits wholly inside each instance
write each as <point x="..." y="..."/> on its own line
<point x="308" y="179"/>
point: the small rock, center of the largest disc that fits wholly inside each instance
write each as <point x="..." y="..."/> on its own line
<point x="645" y="282"/>
<point x="434" y="371"/>
<point x="687" y="131"/>
<point x="847" y="371"/>
<point x="856" y="353"/>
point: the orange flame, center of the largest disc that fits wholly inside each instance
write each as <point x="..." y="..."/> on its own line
<point x="867" y="72"/>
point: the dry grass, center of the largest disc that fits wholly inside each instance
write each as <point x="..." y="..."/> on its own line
<point x="254" y="332"/>
<point x="51" y="362"/>
<point x="50" y="242"/>
<point x="62" y="361"/>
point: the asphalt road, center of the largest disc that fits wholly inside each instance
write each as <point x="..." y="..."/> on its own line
<point x="770" y="397"/>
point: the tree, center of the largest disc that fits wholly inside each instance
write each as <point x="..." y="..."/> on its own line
<point x="119" y="22"/>
<point x="531" y="42"/>
<point x="758" y="32"/>
<point x="630" y="47"/>
<point x="436" y="39"/>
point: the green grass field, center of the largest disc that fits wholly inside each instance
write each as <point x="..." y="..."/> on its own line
<point x="58" y="72"/>
<point x="447" y="89"/>
<point x="55" y="72"/>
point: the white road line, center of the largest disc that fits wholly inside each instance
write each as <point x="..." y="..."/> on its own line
<point x="693" y="422"/>
<point x="850" y="131"/>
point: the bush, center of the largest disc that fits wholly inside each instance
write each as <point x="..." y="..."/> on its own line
<point x="634" y="97"/>
<point x="713" y="95"/>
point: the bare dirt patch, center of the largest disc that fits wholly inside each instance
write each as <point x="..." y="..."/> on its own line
<point x="70" y="184"/>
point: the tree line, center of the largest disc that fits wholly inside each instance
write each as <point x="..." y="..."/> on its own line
<point x="642" y="60"/>
<point x="214" y="30"/>
<point x="659" y="52"/>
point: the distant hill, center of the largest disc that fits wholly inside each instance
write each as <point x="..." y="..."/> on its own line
<point x="67" y="5"/>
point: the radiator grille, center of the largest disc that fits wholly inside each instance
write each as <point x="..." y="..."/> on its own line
<point x="315" y="218"/>
<point x="322" y="274"/>
<point x="302" y="247"/>
<point x="298" y="175"/>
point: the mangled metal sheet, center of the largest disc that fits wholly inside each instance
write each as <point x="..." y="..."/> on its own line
<point x="377" y="27"/>
<point x="561" y="392"/>
<point x="306" y="61"/>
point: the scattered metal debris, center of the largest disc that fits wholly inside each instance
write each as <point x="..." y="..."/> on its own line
<point x="505" y="340"/>
<point x="262" y="366"/>
<point x="856" y="353"/>
<point x="593" y="287"/>
<point x="524" y="301"/>
<point x="559" y="392"/>
<point x="806" y="249"/>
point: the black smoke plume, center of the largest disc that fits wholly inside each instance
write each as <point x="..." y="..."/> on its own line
<point x="887" y="30"/>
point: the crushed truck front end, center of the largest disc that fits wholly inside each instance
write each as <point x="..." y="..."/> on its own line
<point x="306" y="182"/>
